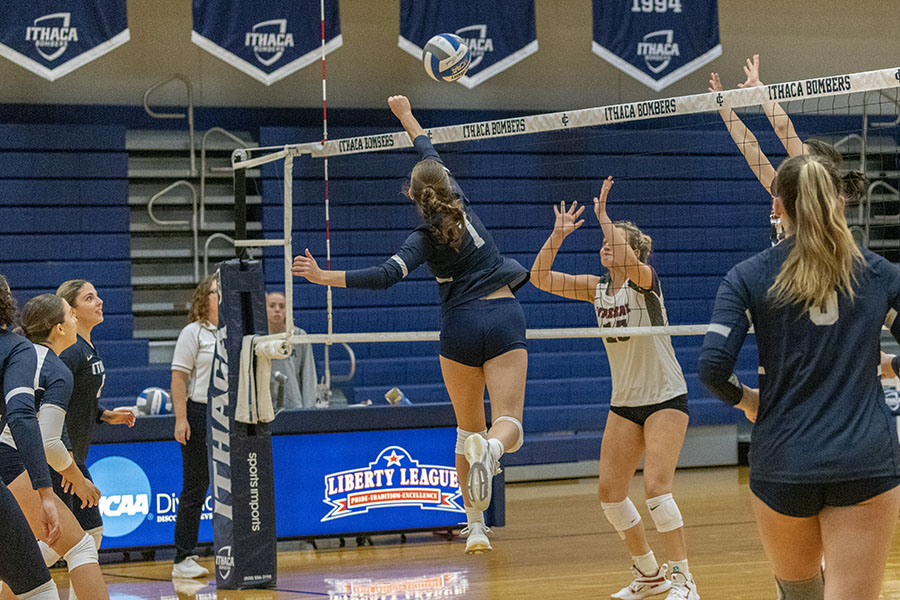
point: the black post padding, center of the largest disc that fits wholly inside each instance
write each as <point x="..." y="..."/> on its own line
<point x="240" y="202"/>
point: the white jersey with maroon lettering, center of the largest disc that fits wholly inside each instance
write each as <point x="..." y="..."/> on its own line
<point x="644" y="368"/>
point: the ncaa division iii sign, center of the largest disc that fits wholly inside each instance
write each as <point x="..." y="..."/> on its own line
<point x="266" y="39"/>
<point x="52" y="38"/>
<point x="657" y="41"/>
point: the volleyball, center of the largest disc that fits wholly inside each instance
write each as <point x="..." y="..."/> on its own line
<point x="446" y="57"/>
<point x="154" y="401"/>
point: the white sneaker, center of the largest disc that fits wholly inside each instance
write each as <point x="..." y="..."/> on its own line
<point x="188" y="568"/>
<point x="683" y="587"/>
<point x="482" y="468"/>
<point x="644" y="585"/>
<point x="477" y="541"/>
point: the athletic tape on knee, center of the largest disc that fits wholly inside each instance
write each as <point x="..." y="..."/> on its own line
<point x="462" y="435"/>
<point x="665" y="513"/>
<point x="46" y="591"/>
<point x="82" y="553"/>
<point x="50" y="555"/>
<point x="621" y="515"/>
<point x="518" y="424"/>
<point x="97" y="534"/>
<point x="808" y="589"/>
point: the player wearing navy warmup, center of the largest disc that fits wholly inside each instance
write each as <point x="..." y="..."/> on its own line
<point x="649" y="412"/>
<point x="50" y="324"/>
<point x="825" y="459"/>
<point x="22" y="568"/>
<point x="482" y="324"/>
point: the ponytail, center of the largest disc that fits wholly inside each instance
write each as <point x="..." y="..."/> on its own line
<point x="824" y="258"/>
<point x="430" y="189"/>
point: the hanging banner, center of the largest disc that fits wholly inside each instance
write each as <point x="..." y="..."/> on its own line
<point x="499" y="33"/>
<point x="52" y="38"/>
<point x="657" y="41"/>
<point x="267" y="39"/>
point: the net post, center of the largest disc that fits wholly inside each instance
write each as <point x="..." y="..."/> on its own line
<point x="288" y="241"/>
<point x="240" y="201"/>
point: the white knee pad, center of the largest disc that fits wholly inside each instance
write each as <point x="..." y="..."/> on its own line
<point x="49" y="554"/>
<point x="46" y="591"/>
<point x="97" y="534"/>
<point x="461" y="437"/>
<point x="809" y="589"/>
<point x="82" y="553"/>
<point x="665" y="513"/>
<point x="518" y="424"/>
<point x="621" y="515"/>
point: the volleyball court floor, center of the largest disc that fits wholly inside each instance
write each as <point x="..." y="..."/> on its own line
<point x="556" y="545"/>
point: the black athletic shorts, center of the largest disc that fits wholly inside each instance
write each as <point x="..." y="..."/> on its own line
<point x="479" y="330"/>
<point x="21" y="563"/>
<point x="88" y="517"/>
<point x="808" y="499"/>
<point x="640" y="414"/>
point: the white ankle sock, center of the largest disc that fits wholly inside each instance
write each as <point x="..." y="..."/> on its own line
<point x="646" y="564"/>
<point x="680" y="566"/>
<point x="474" y="516"/>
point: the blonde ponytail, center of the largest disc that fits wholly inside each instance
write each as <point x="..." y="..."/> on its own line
<point x="824" y="258"/>
<point x="430" y="188"/>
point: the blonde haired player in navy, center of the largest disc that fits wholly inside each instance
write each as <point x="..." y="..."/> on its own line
<point x="482" y="324"/>
<point x="649" y="412"/>
<point x="825" y="459"/>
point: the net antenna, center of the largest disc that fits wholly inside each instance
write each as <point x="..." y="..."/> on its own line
<point x="710" y="102"/>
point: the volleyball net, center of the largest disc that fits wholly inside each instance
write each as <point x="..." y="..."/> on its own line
<point x="686" y="173"/>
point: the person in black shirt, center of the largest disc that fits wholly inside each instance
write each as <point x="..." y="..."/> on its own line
<point x="88" y="376"/>
<point x="825" y="458"/>
<point x="22" y="566"/>
<point x="482" y="323"/>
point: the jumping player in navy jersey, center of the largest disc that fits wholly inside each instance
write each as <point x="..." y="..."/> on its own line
<point x="649" y="412"/>
<point x="49" y="322"/>
<point x="482" y="324"/>
<point x="22" y="568"/>
<point x="825" y="459"/>
<point x="88" y="374"/>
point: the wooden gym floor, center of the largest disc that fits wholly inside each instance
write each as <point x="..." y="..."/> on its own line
<point x="556" y="545"/>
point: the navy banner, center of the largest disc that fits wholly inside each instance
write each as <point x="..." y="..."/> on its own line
<point x="240" y="455"/>
<point x="657" y="41"/>
<point x="267" y="39"/>
<point x="499" y="33"/>
<point x="52" y="38"/>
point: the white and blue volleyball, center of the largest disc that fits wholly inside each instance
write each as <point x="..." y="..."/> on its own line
<point x="154" y="401"/>
<point x="446" y="57"/>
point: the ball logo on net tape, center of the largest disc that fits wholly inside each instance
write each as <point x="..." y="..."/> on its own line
<point x="125" y="500"/>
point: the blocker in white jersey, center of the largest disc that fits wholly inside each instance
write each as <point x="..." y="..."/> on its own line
<point x="644" y="369"/>
<point x="649" y="396"/>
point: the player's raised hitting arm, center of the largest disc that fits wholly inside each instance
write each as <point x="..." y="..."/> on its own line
<point x="614" y="241"/>
<point x="402" y="110"/>
<point x="575" y="287"/>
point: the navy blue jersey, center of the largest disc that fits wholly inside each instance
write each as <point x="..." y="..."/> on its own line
<point x="88" y="376"/>
<point x="471" y="271"/>
<point x="822" y="415"/>
<point x="55" y="380"/>
<point x="18" y="368"/>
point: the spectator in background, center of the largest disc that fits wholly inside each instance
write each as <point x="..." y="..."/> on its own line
<point x="293" y="378"/>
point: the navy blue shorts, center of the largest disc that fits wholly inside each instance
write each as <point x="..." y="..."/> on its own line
<point x="88" y="517"/>
<point x="21" y="564"/>
<point x="639" y="414"/>
<point x="479" y="330"/>
<point x="11" y="464"/>
<point x="808" y="499"/>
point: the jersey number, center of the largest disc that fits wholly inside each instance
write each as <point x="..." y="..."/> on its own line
<point x="827" y="315"/>
<point x="613" y="340"/>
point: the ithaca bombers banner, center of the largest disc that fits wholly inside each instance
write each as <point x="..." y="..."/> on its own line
<point x="267" y="39"/>
<point x="657" y="41"/>
<point x="52" y="38"/>
<point x="499" y="33"/>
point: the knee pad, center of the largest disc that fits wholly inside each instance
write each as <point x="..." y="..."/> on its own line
<point x="97" y="534"/>
<point x="46" y="591"/>
<point x="82" y="553"/>
<point x="49" y="554"/>
<point x="665" y="513"/>
<point x="518" y="424"/>
<point x="621" y="515"/>
<point x="808" y="589"/>
<point x="461" y="437"/>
